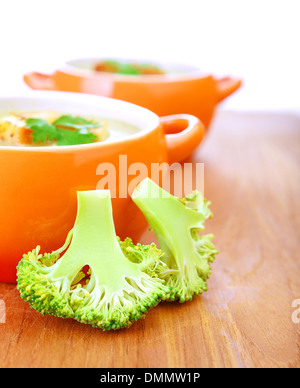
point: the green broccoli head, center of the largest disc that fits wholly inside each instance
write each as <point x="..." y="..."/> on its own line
<point x="94" y="278"/>
<point x="177" y="223"/>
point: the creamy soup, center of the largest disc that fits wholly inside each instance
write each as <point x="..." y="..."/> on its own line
<point x="51" y="128"/>
<point x="120" y="130"/>
<point x="129" y="67"/>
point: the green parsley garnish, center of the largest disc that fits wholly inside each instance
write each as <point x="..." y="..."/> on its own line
<point x="113" y="66"/>
<point x="66" y="130"/>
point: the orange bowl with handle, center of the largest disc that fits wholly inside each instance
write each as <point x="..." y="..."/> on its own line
<point x="39" y="184"/>
<point x="180" y="89"/>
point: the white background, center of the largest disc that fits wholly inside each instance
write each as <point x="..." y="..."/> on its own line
<point x="255" y="40"/>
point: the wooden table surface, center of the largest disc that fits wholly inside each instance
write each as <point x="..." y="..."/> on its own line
<point x="245" y="319"/>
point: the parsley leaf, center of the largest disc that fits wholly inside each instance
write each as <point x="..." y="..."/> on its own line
<point x="42" y="130"/>
<point x="66" y="130"/>
<point x="75" y="122"/>
<point x="67" y="137"/>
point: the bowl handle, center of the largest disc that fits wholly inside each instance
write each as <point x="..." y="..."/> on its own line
<point x="183" y="134"/>
<point x="39" y="81"/>
<point x="226" y="86"/>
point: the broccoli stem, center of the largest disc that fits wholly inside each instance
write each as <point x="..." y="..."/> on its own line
<point x="94" y="229"/>
<point x="167" y="216"/>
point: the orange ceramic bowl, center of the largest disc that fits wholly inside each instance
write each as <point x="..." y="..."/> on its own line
<point x="39" y="184"/>
<point x="181" y="89"/>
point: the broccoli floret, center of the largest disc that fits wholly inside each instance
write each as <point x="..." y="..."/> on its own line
<point x="147" y="257"/>
<point x="120" y="287"/>
<point x="177" y="223"/>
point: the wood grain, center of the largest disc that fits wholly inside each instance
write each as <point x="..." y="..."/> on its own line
<point x="244" y="320"/>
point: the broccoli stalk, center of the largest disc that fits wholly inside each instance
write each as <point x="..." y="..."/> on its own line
<point x="177" y="223"/>
<point x="120" y="289"/>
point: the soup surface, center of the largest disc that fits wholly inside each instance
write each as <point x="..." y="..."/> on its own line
<point x="51" y="128"/>
<point x="130" y="68"/>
